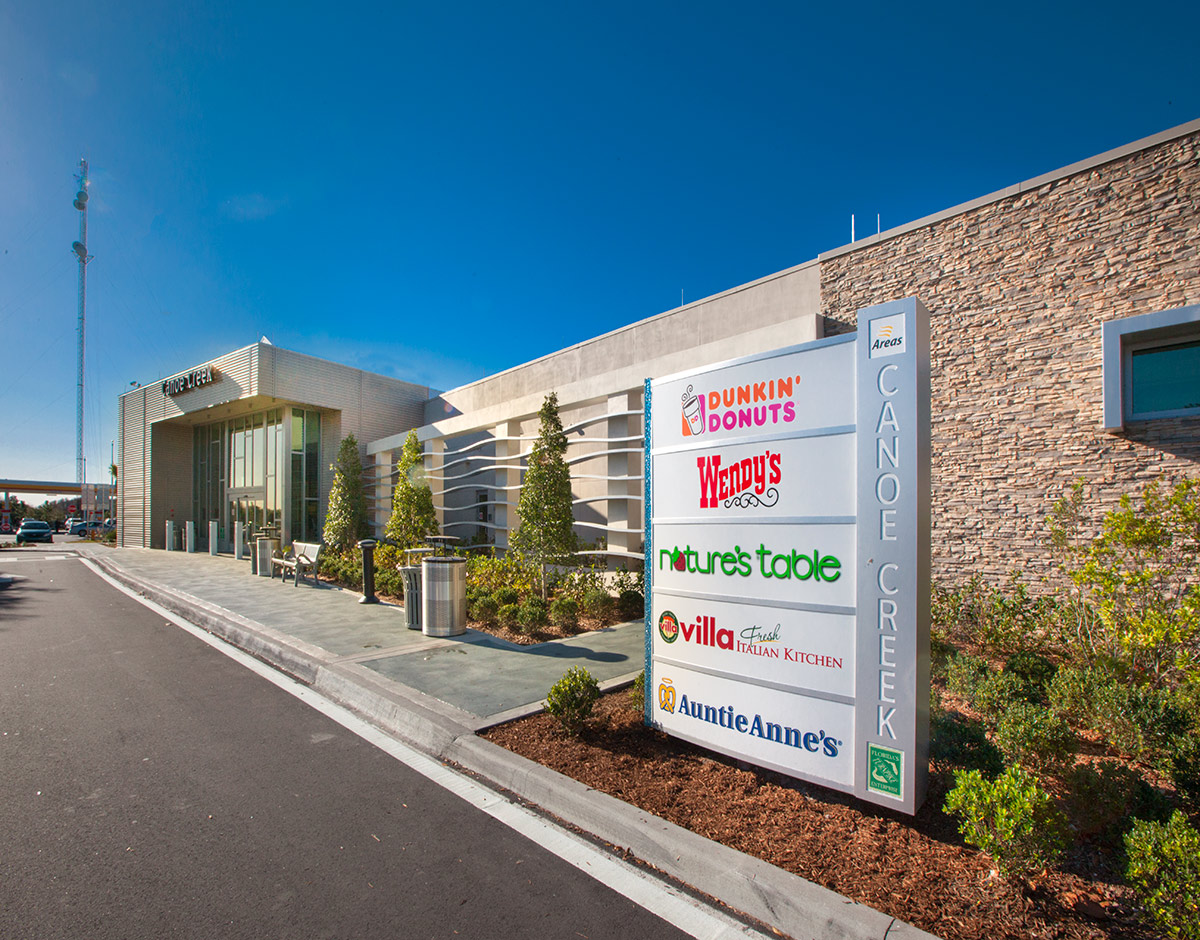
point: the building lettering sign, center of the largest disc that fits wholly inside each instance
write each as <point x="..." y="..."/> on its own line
<point x="787" y="558"/>
<point x="179" y="384"/>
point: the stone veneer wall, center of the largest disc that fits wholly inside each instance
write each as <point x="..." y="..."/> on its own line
<point x="1017" y="290"/>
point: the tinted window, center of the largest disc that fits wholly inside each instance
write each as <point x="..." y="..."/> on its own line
<point x="1165" y="378"/>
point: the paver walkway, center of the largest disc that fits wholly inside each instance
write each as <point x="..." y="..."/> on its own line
<point x="476" y="672"/>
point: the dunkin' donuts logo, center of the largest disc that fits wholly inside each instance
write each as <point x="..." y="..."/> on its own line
<point x="753" y="405"/>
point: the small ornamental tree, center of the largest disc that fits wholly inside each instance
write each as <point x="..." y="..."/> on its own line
<point x="546" y="533"/>
<point x="413" y="516"/>
<point x="346" y="518"/>
<point x="1137" y="578"/>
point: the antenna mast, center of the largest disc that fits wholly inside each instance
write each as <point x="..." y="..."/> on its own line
<point x="80" y="249"/>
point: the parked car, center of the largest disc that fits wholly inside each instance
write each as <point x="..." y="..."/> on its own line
<point x="34" y="530"/>
<point x="77" y="527"/>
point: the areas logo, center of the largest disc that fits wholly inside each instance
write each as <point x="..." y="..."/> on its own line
<point x="887" y="336"/>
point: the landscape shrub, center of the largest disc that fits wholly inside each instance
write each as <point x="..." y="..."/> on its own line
<point x="1011" y="818"/>
<point x="1072" y="694"/>
<point x="996" y="694"/>
<point x="506" y="595"/>
<point x="577" y="581"/>
<point x="959" y="743"/>
<point x="508" y="615"/>
<point x="344" y="567"/>
<point x="1185" y="774"/>
<point x="1034" y="737"/>
<point x="1163" y="721"/>
<point x="637" y="693"/>
<point x="599" y="605"/>
<point x="1140" y="721"/>
<point x="485" y="609"/>
<point x="532" y="613"/>
<point x="630" y="605"/>
<point x="1035" y="670"/>
<point x="941" y="653"/>
<point x="1138" y="576"/>
<point x="564" y="611"/>
<point x="946" y="610"/>
<point x="572" y="698"/>
<point x="625" y="580"/>
<point x="1104" y="798"/>
<point x="1164" y="870"/>
<point x="964" y="673"/>
<point x="488" y="574"/>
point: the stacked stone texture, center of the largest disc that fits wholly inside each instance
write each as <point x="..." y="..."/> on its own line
<point x="1017" y="291"/>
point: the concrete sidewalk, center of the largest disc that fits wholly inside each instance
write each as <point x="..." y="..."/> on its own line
<point x="434" y="694"/>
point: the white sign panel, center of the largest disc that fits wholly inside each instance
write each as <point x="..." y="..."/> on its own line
<point x="780" y="646"/>
<point x="787" y="558"/>
<point x="811" y="564"/>
<point x="775" y="729"/>
<point x="780" y="479"/>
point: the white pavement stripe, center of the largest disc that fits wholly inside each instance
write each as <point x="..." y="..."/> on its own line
<point x="672" y="905"/>
<point x="11" y="558"/>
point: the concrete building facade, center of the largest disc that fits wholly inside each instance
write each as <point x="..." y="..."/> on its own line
<point x="1065" y="331"/>
<point x="248" y="437"/>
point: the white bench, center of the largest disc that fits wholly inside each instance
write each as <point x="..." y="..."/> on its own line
<point x="300" y="556"/>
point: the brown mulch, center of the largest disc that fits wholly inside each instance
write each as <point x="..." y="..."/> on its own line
<point x="917" y="869"/>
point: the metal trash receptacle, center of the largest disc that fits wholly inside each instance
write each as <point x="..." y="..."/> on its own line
<point x="265" y="548"/>
<point x="411" y="576"/>
<point x="443" y="596"/>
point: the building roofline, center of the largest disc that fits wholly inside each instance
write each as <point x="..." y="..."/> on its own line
<point x="428" y="391"/>
<point x="1072" y="169"/>
<point x="630" y="326"/>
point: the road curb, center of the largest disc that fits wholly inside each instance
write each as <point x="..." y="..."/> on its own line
<point x="792" y="905"/>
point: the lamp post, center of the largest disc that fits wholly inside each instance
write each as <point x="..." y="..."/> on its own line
<point x="81" y="252"/>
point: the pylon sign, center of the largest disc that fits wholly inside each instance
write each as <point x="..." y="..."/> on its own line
<point x="787" y="557"/>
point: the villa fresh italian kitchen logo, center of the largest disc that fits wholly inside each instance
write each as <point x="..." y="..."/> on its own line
<point x="766" y="404"/>
<point x="754" y="640"/>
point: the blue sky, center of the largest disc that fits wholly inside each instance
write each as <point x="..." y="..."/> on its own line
<point x="441" y="191"/>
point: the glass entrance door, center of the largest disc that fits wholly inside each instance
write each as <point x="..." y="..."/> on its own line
<point x="249" y="508"/>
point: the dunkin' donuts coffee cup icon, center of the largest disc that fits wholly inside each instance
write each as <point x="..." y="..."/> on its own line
<point x="693" y="413"/>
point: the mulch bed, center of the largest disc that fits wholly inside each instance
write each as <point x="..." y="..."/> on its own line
<point x="917" y="869"/>
<point x="535" y="634"/>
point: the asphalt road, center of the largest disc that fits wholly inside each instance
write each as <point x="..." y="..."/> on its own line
<point x="151" y="788"/>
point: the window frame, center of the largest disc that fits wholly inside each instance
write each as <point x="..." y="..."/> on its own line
<point x="1121" y="338"/>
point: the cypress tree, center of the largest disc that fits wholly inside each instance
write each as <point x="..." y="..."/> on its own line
<point x="546" y="533"/>
<point x="346" y="518"/>
<point x="413" y="516"/>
